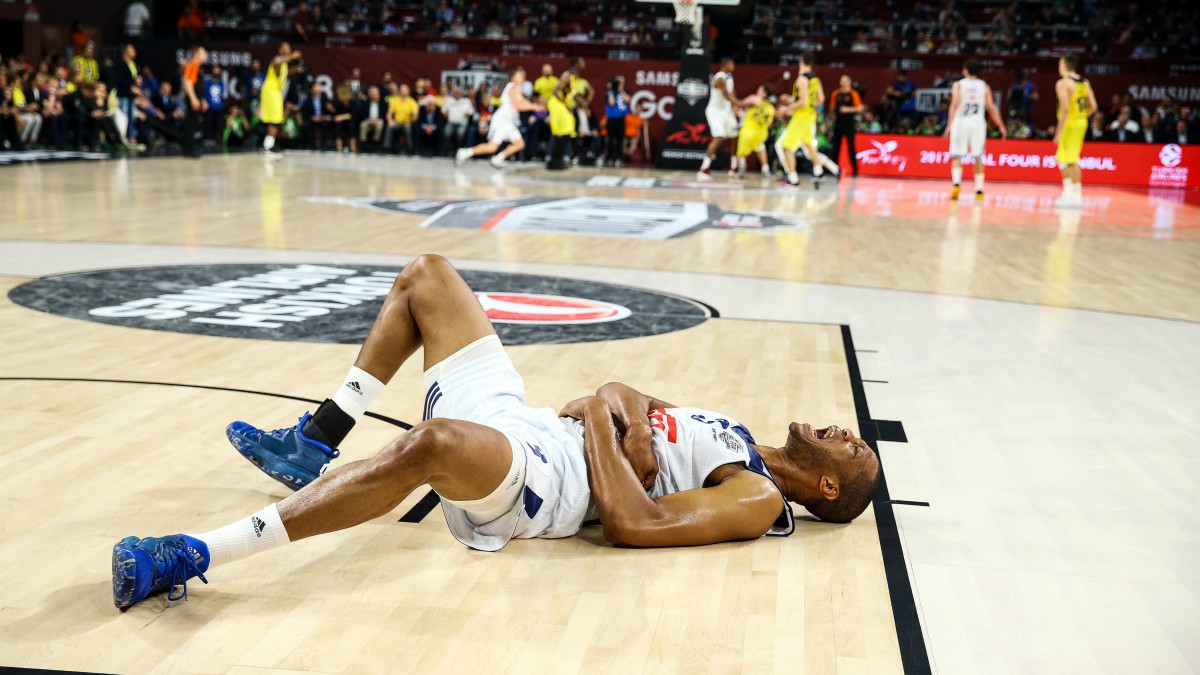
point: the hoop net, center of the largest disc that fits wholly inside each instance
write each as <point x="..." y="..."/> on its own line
<point x="685" y="11"/>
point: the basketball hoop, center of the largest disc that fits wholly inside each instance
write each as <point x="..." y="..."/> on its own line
<point x="685" y="11"/>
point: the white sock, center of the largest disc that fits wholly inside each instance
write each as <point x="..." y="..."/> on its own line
<point x="766" y="170"/>
<point x="706" y="163"/>
<point x="956" y="174"/>
<point x="793" y="177"/>
<point x="358" y="392"/>
<point x="828" y="163"/>
<point x="268" y="142"/>
<point x="818" y="170"/>
<point x="1077" y="190"/>
<point x="979" y="181"/>
<point x="242" y="538"/>
<point x="1066" y="187"/>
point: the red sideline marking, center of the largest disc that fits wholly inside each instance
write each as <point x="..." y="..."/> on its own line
<point x="495" y="219"/>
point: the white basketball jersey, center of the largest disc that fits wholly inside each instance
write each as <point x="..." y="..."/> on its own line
<point x="718" y="99"/>
<point x="690" y="443"/>
<point x="972" y="98"/>
<point x="507" y="110"/>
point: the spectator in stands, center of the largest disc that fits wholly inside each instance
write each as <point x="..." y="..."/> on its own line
<point x="357" y="89"/>
<point x="432" y="125"/>
<point x="1097" y="130"/>
<point x="237" y="129"/>
<point x="191" y="22"/>
<point x="1152" y="131"/>
<point x="898" y="100"/>
<point x="860" y="43"/>
<point x="458" y="110"/>
<point x="77" y="38"/>
<point x="868" y="124"/>
<point x="301" y="22"/>
<point x="402" y="112"/>
<point x="137" y="19"/>
<point x="386" y="83"/>
<point x="1018" y="127"/>
<point x="929" y="126"/>
<point x="125" y="76"/>
<point x="923" y="44"/>
<point x="10" y="135"/>
<point x="535" y="128"/>
<point x="346" y="110"/>
<point x="317" y="117"/>
<point x="1145" y="50"/>
<point x="1022" y="95"/>
<point x="1183" y="135"/>
<point x="54" y="119"/>
<point x="616" y="107"/>
<point x="374" y="118"/>
<point x="231" y="18"/>
<point x="26" y="102"/>
<point x="1123" y="129"/>
<point x="84" y="68"/>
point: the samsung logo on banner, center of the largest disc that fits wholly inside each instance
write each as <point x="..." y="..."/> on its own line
<point x="219" y="58"/>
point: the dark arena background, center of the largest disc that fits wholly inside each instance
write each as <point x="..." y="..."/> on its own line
<point x="1013" y="329"/>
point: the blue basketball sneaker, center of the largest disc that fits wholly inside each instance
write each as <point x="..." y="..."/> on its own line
<point x="286" y="455"/>
<point x="145" y="567"/>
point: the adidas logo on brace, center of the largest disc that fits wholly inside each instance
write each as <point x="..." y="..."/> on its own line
<point x="353" y="386"/>
<point x="259" y="525"/>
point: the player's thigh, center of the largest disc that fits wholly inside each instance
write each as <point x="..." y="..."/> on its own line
<point x="444" y="308"/>
<point x="464" y="460"/>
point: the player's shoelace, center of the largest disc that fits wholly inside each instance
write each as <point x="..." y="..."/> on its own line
<point x="176" y="565"/>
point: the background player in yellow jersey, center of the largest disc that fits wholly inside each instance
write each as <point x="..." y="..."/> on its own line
<point x="271" y="97"/>
<point x="572" y="91"/>
<point x="1076" y="103"/>
<point x="801" y="130"/>
<point x="756" y="127"/>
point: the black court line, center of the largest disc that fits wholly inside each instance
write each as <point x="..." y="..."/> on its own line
<point x="913" y="653"/>
<point x="876" y="381"/>
<point x="383" y="418"/>
<point x="905" y="502"/>
<point x="422" y="508"/>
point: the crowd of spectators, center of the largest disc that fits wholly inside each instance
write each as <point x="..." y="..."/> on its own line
<point x="118" y="106"/>
<point x="1123" y="121"/>
<point x="983" y="27"/>
<point x="986" y="27"/>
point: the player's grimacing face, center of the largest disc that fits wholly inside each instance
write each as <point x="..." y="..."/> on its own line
<point x="831" y="447"/>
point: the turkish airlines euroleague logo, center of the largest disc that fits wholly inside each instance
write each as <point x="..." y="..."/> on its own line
<point x="548" y="309"/>
<point x="338" y="304"/>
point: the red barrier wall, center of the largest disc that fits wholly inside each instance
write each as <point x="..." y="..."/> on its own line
<point x="1133" y="164"/>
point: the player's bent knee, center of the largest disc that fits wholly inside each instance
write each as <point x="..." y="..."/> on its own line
<point x="421" y="449"/>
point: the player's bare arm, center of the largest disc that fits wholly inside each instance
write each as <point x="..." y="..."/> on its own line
<point x="1064" y="89"/>
<point x="953" y="109"/>
<point x="735" y="504"/>
<point x="630" y="410"/>
<point x="992" y="111"/>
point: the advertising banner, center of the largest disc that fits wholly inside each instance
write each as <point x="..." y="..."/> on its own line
<point x="1136" y="164"/>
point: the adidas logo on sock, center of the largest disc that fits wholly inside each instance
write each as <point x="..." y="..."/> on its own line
<point x="259" y="525"/>
<point x="353" y="386"/>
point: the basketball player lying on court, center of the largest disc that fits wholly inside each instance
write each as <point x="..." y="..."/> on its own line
<point x="654" y="474"/>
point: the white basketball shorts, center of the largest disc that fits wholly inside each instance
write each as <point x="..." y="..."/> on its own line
<point x="721" y="122"/>
<point x="967" y="136"/>
<point x="503" y="131"/>
<point x="479" y="384"/>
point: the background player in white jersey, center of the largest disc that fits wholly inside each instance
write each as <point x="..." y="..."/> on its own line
<point x="967" y="127"/>
<point x="505" y="124"/>
<point x="656" y="475"/>
<point x="721" y="121"/>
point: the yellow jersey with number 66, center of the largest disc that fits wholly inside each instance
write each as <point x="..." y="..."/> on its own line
<point x="1074" y="128"/>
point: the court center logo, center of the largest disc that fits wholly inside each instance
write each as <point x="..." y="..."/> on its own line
<point x="338" y="304"/>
